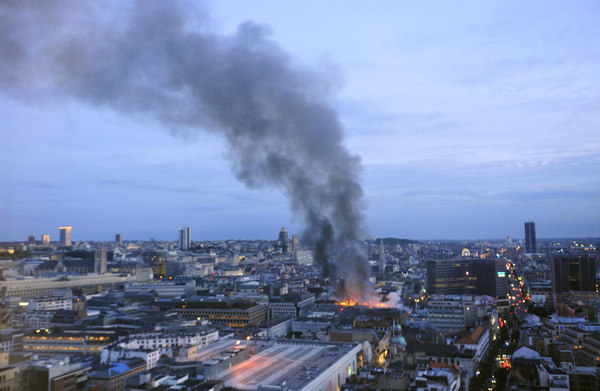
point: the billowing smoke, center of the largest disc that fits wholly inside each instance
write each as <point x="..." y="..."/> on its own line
<point x="147" y="59"/>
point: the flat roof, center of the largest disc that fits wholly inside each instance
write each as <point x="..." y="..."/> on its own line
<point x="215" y="349"/>
<point x="298" y="363"/>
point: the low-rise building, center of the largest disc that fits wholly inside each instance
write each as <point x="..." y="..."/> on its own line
<point x="114" y="353"/>
<point x="113" y="376"/>
<point x="478" y="341"/>
<point x="291" y="305"/>
<point x="57" y="373"/>
<point x="221" y="311"/>
<point x="442" y="379"/>
<point x="169" y="340"/>
<point x="11" y="377"/>
<point x="67" y="342"/>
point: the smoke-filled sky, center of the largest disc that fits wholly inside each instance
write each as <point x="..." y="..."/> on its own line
<point x="470" y="118"/>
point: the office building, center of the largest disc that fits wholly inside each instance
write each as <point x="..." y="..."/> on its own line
<point x="68" y="342"/>
<point x="291" y="305"/>
<point x="573" y="272"/>
<point x="65" y="236"/>
<point x="45" y="239"/>
<point x="119" y="239"/>
<point x="31" y="239"/>
<point x="225" y="312"/>
<point x="530" y="244"/>
<point x="467" y="276"/>
<point x="185" y="238"/>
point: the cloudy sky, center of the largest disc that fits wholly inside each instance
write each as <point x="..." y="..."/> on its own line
<point x="470" y="118"/>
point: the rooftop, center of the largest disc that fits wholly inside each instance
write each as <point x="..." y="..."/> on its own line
<point x="296" y="363"/>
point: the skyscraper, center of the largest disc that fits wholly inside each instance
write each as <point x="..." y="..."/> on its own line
<point x="185" y="238"/>
<point x="530" y="245"/>
<point x="573" y="272"/>
<point x="119" y="239"/>
<point x="65" y="236"/>
<point x="46" y="239"/>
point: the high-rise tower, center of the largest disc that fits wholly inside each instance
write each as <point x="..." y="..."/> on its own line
<point x="185" y="238"/>
<point x="530" y="245"/>
<point x="65" y="236"/>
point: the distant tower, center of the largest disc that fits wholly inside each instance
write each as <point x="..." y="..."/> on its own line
<point x="185" y="238"/>
<point x="100" y="260"/>
<point x="119" y="239"/>
<point x="31" y="239"/>
<point x="530" y="245"/>
<point x="283" y="236"/>
<point x="295" y="243"/>
<point x="45" y="239"/>
<point x="381" y="259"/>
<point x="283" y="240"/>
<point x="65" y="236"/>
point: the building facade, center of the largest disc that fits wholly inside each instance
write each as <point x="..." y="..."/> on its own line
<point x="233" y="315"/>
<point x="471" y="276"/>
<point x="573" y="273"/>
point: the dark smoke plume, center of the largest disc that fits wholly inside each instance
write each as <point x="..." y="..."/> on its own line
<point x="147" y="59"/>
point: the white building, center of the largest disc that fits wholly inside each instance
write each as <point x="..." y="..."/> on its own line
<point x="477" y="342"/>
<point x="50" y="304"/>
<point x="292" y="306"/>
<point x="114" y="353"/>
<point x="167" y="341"/>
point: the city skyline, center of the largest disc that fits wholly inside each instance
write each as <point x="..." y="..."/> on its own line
<point x="468" y="122"/>
<point x="47" y="238"/>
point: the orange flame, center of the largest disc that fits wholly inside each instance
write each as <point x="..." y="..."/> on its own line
<point x="370" y="304"/>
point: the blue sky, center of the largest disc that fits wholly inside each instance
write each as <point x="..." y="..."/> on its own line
<point x="470" y="118"/>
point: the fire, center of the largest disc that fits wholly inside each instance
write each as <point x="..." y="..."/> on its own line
<point x="371" y="300"/>
<point x="370" y="304"/>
